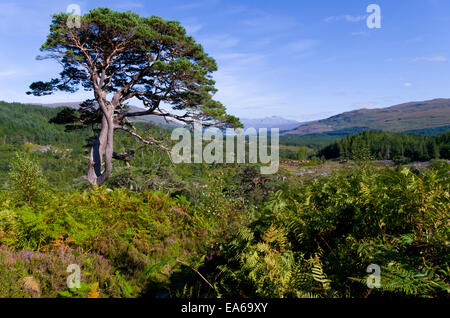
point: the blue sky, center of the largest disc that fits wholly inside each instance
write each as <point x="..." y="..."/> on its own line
<point x="299" y="59"/>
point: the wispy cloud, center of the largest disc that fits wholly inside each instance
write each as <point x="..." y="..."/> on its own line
<point x="8" y="73"/>
<point x="197" y="4"/>
<point x="345" y="93"/>
<point x="262" y="42"/>
<point x="434" y="58"/>
<point x="301" y="48"/>
<point x="245" y="83"/>
<point x="407" y="84"/>
<point x="218" y="42"/>
<point x="360" y="33"/>
<point x="240" y="58"/>
<point x="129" y="5"/>
<point x="416" y="39"/>
<point x="301" y="45"/>
<point x="346" y="17"/>
<point x="261" y="21"/>
<point x="193" y="28"/>
<point x="20" y="19"/>
<point x="265" y="21"/>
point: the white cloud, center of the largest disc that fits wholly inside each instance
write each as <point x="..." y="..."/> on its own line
<point x="360" y="33"/>
<point x="345" y="93"/>
<point x="219" y="42"/>
<point x="302" y="45"/>
<point x="416" y="39"/>
<point x="407" y="84"/>
<point x="265" y="21"/>
<point x="257" y="20"/>
<point x="197" y="4"/>
<point x="262" y="42"/>
<point x="346" y="17"/>
<point x="21" y="20"/>
<point x="193" y="28"/>
<point x="129" y="4"/>
<point x="434" y="58"/>
<point x="240" y="59"/>
<point x="9" y="73"/>
<point x="245" y="84"/>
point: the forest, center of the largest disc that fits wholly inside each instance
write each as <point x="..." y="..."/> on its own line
<point x="390" y="146"/>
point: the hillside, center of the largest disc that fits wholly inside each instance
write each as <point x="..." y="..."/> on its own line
<point x="150" y="118"/>
<point x="411" y="116"/>
<point x="27" y="127"/>
<point x="30" y="123"/>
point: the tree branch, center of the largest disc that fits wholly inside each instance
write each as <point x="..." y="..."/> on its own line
<point x="149" y="141"/>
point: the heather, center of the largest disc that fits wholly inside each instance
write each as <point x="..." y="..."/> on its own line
<point x="29" y="273"/>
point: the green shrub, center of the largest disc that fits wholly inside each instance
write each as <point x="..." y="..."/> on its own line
<point x="27" y="182"/>
<point x="318" y="239"/>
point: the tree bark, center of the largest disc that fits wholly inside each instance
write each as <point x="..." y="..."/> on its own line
<point x="102" y="151"/>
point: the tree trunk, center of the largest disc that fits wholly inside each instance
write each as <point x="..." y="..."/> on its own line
<point x="102" y="151"/>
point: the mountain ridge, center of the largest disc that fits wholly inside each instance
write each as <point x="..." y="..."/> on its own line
<point x="398" y="118"/>
<point x="270" y="122"/>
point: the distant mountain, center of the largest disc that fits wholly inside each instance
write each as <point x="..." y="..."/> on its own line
<point x="150" y="118"/>
<point x="414" y="116"/>
<point x="270" y="122"/>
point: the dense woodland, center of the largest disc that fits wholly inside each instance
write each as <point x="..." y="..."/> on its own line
<point x="161" y="230"/>
<point x="390" y="146"/>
